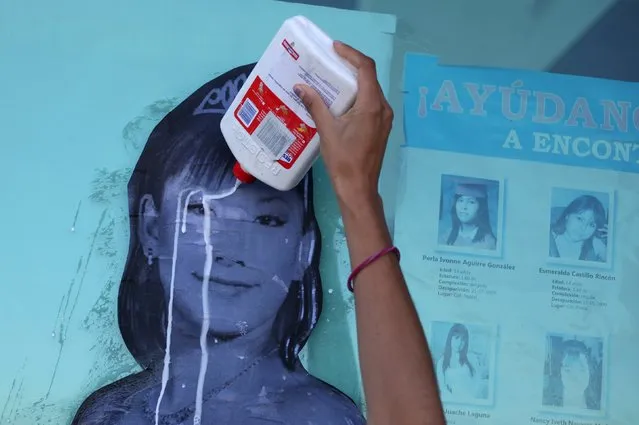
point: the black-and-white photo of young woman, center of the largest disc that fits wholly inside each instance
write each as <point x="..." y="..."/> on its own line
<point x="579" y="226"/>
<point x="220" y="290"/>
<point x="573" y="372"/>
<point x="463" y="356"/>
<point x="469" y="214"/>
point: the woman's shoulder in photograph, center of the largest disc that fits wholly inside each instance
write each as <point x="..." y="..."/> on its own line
<point x="600" y="249"/>
<point x="319" y="402"/>
<point x="107" y="405"/>
<point x="443" y="234"/>
<point x="488" y="242"/>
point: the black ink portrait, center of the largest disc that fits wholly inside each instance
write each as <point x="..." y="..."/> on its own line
<point x="221" y="287"/>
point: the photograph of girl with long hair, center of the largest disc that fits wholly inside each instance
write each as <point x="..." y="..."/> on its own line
<point x="573" y="372"/>
<point x="463" y="356"/>
<point x="579" y="225"/>
<point x="469" y="213"/>
<point x="221" y="288"/>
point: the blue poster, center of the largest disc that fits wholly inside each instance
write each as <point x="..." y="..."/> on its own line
<point x="518" y="218"/>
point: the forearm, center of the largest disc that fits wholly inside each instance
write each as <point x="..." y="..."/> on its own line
<point x="397" y="369"/>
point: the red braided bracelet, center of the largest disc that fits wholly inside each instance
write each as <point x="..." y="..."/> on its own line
<point x="368" y="262"/>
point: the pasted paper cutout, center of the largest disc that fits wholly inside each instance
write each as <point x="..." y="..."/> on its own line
<point x="221" y="287"/>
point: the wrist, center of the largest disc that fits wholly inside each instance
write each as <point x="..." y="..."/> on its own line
<point x="355" y="190"/>
<point x="357" y="196"/>
<point x="365" y="227"/>
<point x="362" y="207"/>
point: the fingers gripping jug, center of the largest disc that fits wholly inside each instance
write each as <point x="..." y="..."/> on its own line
<point x="268" y="129"/>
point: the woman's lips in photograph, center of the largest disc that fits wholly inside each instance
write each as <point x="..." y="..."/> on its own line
<point x="221" y="281"/>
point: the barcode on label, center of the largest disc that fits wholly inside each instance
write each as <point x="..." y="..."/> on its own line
<point x="274" y="136"/>
<point x="247" y="112"/>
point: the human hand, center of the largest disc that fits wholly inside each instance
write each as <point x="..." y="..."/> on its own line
<point x="354" y="144"/>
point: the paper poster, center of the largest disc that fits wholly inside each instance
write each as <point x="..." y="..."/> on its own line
<point x="518" y="218"/>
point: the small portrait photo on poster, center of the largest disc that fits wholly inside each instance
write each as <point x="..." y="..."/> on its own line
<point x="574" y="374"/>
<point x="470" y="215"/>
<point x="463" y="356"/>
<point x="580" y="227"/>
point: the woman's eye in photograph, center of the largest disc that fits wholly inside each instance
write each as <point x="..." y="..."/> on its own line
<point x="269" y="220"/>
<point x="197" y="208"/>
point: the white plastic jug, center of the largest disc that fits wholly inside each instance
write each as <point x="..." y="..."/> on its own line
<point x="268" y="129"/>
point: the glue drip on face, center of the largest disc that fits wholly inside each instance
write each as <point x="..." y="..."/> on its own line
<point x="205" y="306"/>
<point x="205" y="299"/>
<point x="239" y="249"/>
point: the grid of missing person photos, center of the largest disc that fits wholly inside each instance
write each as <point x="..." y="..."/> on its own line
<point x="574" y="367"/>
<point x="579" y="233"/>
<point x="471" y="220"/>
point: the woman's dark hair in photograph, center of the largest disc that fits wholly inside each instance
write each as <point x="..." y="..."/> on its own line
<point x="571" y="350"/>
<point x="142" y="303"/>
<point x="460" y="331"/>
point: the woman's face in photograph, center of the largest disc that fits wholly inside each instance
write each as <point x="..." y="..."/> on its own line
<point x="575" y="373"/>
<point x="255" y="239"/>
<point x="466" y="208"/>
<point x="457" y="343"/>
<point x="580" y="226"/>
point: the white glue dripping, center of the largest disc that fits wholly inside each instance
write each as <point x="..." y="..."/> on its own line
<point x="185" y="210"/>
<point x="281" y="283"/>
<point x="208" y="263"/>
<point x="169" y="326"/>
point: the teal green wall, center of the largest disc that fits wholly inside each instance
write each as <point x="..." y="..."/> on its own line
<point x="82" y="84"/>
